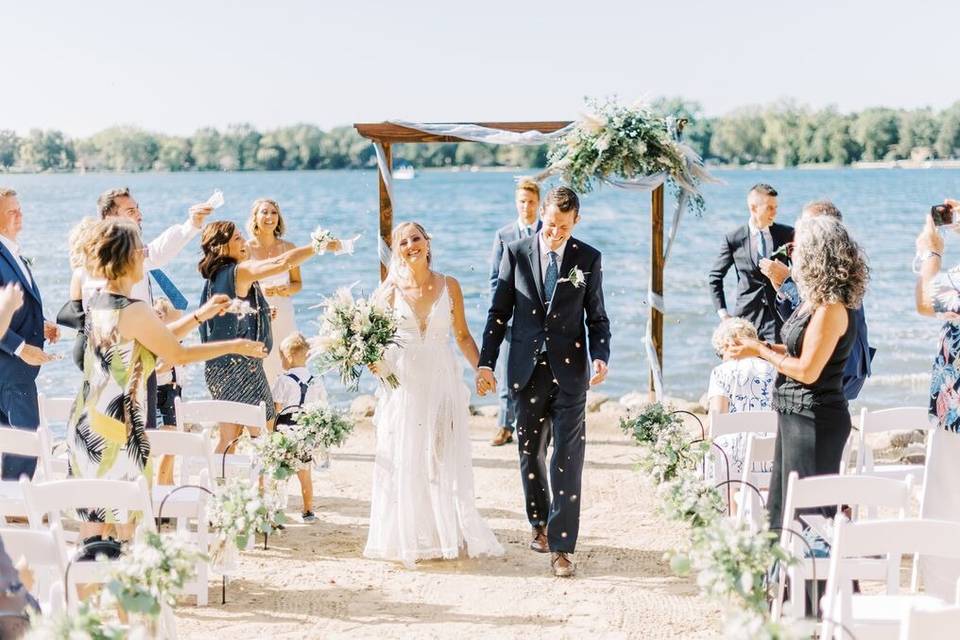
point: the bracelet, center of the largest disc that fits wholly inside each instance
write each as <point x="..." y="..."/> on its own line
<point x="197" y="318"/>
<point x="929" y="254"/>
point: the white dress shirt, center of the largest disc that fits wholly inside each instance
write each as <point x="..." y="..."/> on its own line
<point x="526" y="230"/>
<point x="14" y="250"/>
<point x="160" y="252"/>
<point x="286" y="392"/>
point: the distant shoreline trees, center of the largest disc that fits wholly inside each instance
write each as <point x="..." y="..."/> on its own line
<point x="784" y="134"/>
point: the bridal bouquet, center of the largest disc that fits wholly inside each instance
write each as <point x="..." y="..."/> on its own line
<point x="238" y="511"/>
<point x="354" y="333"/>
<point x="153" y="572"/>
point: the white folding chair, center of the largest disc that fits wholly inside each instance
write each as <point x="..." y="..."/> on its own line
<point x="209" y="413"/>
<point x="898" y="419"/>
<point x="860" y="493"/>
<point x="759" y="454"/>
<point x="182" y="501"/>
<point x="23" y="442"/>
<point x="46" y="555"/>
<point x="729" y="424"/>
<point x="54" y="415"/>
<point x="931" y="624"/>
<point x="879" y="615"/>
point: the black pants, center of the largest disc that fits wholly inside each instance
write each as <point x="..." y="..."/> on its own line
<point x="811" y="446"/>
<point x="546" y="412"/>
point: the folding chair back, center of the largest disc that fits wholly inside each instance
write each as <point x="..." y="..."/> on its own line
<point x="46" y="555"/>
<point x="930" y="624"/>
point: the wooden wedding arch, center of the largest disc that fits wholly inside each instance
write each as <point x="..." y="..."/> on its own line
<point x="387" y="134"/>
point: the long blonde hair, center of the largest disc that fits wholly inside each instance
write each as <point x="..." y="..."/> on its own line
<point x="252" y="225"/>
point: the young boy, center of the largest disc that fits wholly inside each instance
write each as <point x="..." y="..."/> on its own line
<point x="167" y="390"/>
<point x="293" y="389"/>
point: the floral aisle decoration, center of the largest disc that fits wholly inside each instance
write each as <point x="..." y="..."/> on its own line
<point x="154" y="572"/>
<point x="323" y="427"/>
<point x="86" y="622"/>
<point x="291" y="448"/>
<point x="354" y="333"/>
<point x="238" y="512"/>
<point x="731" y="561"/>
<point x="280" y="454"/>
<point x="617" y="142"/>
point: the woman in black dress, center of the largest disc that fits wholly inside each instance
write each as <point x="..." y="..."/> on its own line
<point x="227" y="270"/>
<point x="813" y="423"/>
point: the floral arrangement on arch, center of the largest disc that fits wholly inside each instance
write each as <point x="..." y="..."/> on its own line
<point x="613" y="141"/>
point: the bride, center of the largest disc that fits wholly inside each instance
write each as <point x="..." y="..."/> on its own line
<point x="423" y="503"/>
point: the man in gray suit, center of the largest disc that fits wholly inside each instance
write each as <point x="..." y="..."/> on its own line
<point x="527" y="200"/>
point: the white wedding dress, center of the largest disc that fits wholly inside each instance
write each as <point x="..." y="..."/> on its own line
<point x="422" y="503"/>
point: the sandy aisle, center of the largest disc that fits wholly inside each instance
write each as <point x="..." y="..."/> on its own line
<point x="314" y="583"/>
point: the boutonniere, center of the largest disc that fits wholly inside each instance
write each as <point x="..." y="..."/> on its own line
<point x="27" y="260"/>
<point x="785" y="251"/>
<point x="576" y="277"/>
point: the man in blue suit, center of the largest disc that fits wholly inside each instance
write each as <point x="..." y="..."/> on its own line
<point x="527" y="200"/>
<point x="788" y="298"/>
<point x="21" y="346"/>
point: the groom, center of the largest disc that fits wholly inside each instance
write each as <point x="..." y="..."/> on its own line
<point x="551" y="285"/>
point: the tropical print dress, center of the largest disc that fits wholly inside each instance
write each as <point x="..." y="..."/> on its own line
<point x="106" y="436"/>
<point x="945" y="378"/>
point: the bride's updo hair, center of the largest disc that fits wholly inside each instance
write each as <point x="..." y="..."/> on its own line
<point x="395" y="238"/>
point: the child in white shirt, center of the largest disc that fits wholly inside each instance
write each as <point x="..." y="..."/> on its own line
<point x="295" y="388"/>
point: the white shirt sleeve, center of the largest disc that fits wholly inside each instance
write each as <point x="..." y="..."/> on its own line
<point x="168" y="244"/>
<point x="286" y="392"/>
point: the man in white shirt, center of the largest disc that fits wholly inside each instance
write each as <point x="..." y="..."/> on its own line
<point x="120" y="203"/>
<point x="21" y="345"/>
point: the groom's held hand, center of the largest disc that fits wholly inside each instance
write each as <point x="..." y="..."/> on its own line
<point x="599" y="372"/>
<point x="486" y="381"/>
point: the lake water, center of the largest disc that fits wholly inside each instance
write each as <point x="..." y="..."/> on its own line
<point x="883" y="208"/>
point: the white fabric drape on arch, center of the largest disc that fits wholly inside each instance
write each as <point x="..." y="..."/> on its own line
<point x="477" y="133"/>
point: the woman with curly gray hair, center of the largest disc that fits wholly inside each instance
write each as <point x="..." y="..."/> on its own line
<point x="831" y="272"/>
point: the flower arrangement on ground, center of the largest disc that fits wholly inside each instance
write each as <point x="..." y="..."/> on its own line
<point x="354" y="333"/>
<point x="86" y="623"/>
<point x="154" y="571"/>
<point x="238" y="511"/>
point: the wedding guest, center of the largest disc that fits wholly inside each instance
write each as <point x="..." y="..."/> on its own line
<point x="738" y="385"/>
<point x="227" y="269"/>
<point x="938" y="294"/>
<point x="527" y="202"/>
<point x="71" y="315"/>
<point x="788" y="298"/>
<point x="105" y="434"/>
<point x="294" y="389"/>
<point x="813" y="421"/>
<point x="266" y="227"/>
<point x="164" y="248"/>
<point x="742" y="249"/>
<point x="21" y="344"/>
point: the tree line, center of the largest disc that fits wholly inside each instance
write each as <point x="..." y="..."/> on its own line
<point x="783" y="134"/>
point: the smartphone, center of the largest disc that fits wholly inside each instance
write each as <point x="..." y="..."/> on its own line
<point x="942" y="214"/>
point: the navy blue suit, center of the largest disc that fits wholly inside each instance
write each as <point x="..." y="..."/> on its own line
<point x="18" y="380"/>
<point x="858" y="364"/>
<point x="504" y="236"/>
<point x="552" y="344"/>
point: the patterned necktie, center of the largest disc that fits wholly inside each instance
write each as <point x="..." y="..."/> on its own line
<point x="169" y="289"/>
<point x="553" y="274"/>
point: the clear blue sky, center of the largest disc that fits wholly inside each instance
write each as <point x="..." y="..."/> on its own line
<point x="175" y="65"/>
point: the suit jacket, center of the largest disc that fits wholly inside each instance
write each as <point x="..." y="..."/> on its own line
<point x="858" y="367"/>
<point x="573" y="321"/>
<point x="25" y="326"/>
<point x="504" y="236"/>
<point x="756" y="297"/>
